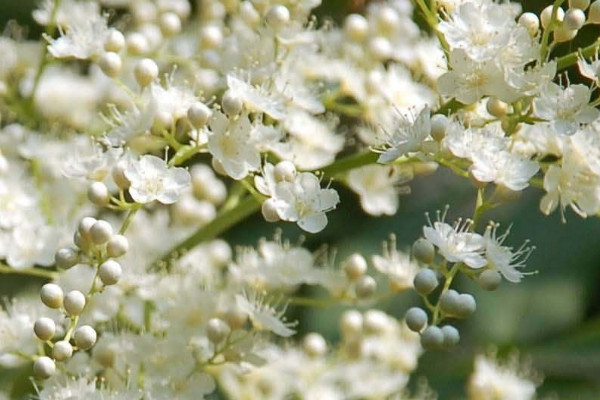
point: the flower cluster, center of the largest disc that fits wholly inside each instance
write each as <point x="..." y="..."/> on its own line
<point x="145" y="130"/>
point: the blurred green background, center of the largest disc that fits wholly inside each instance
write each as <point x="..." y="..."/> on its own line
<point x="553" y="318"/>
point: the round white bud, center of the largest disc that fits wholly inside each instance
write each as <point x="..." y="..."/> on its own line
<point x="216" y="192"/>
<point x="101" y="232"/>
<point x="84" y="227"/>
<point x="277" y="16"/>
<point x="425" y="281"/>
<point x="416" y="319"/>
<point x="269" y="210"/>
<point x="105" y="354"/>
<point x="110" y="272"/>
<point x="594" y="12"/>
<point x="115" y="41"/>
<point x="74" y="302"/>
<point x="489" y="279"/>
<point x="66" y="257"/>
<point x="432" y="338"/>
<point x="356" y="27"/>
<point x="211" y="37"/>
<point x="232" y="104"/>
<point x="248" y="13"/>
<point x="198" y="115"/>
<point x="218" y="167"/>
<point x="219" y="252"/>
<point x="110" y="63"/>
<point x="98" y="194"/>
<point x="351" y="323"/>
<point x="496" y="107"/>
<point x="44" y="328"/>
<point x="355" y="266"/>
<point x="574" y="19"/>
<point x="546" y="16"/>
<point x="365" y="287"/>
<point x="117" y="246"/>
<point x="375" y="321"/>
<point x="423" y="251"/>
<point x="137" y="44"/>
<point x="451" y="336"/>
<point x="314" y="345"/>
<point x="170" y="24"/>
<point x="465" y="305"/>
<point x="217" y="330"/>
<point x="44" y="367"/>
<point x="562" y="35"/>
<point x="581" y="4"/>
<point x="118" y="175"/>
<point x="145" y="71"/>
<point x="85" y="337"/>
<point x="62" y="350"/>
<point x="52" y="295"/>
<point x="531" y="22"/>
<point x="236" y="317"/>
<point x="449" y="301"/>
<point x="380" y="48"/>
<point x="439" y="125"/>
<point x="388" y="20"/>
<point x="285" y="171"/>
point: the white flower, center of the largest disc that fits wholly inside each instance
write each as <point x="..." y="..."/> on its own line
<point x="31" y="245"/>
<point x="505" y="382"/>
<point x="470" y="80"/>
<point x="151" y="179"/>
<point x="502" y="258"/>
<point x="408" y="136"/>
<point x="566" y="108"/>
<point x="479" y="28"/>
<point x="303" y="201"/>
<point x="256" y="99"/>
<point x="263" y="315"/>
<point x="503" y="168"/>
<point x="379" y="186"/>
<point x="590" y="70"/>
<point x="232" y="144"/>
<point x="81" y="38"/>
<point x="456" y="244"/>
<point x="397" y="266"/>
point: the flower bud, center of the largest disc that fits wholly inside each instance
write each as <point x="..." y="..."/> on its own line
<point x="356" y="27"/>
<point x="423" y="251"/>
<point x="451" y="336"/>
<point x="269" y="210"/>
<point x="85" y="337"/>
<point x="416" y="319"/>
<point x="105" y="354"/>
<point x="198" y="115"/>
<point x="145" y="71"/>
<point x="248" y="13"/>
<point x="439" y="125"/>
<point x="574" y="19"/>
<point x="211" y="37"/>
<point x="351" y="323"/>
<point x="219" y="252"/>
<point x="489" y="279"/>
<point x="449" y="301"/>
<point x="365" y="287"/>
<point x="594" y="12"/>
<point x="581" y="4"/>
<point x="232" y="104"/>
<point x="496" y="107"/>
<point x="115" y="41"/>
<point x="118" y="175"/>
<point x="51" y="295"/>
<point x="236" y="318"/>
<point x="217" y="330"/>
<point x="137" y="44"/>
<point x="62" y="350"/>
<point x="110" y="63"/>
<point x="101" y="232"/>
<point x="98" y="194"/>
<point x="355" y="266"/>
<point x="277" y="16"/>
<point x="546" y="16"/>
<point x="170" y="24"/>
<point x="66" y="257"/>
<point x="432" y="338"/>
<point x="74" y="302"/>
<point x="375" y="321"/>
<point x="117" y="246"/>
<point x="465" y="305"/>
<point x="285" y="171"/>
<point x="44" y="328"/>
<point x="110" y="272"/>
<point x="85" y="225"/>
<point x="314" y="345"/>
<point x="531" y="22"/>
<point x="425" y="281"/>
<point x="380" y="48"/>
<point x="44" y="367"/>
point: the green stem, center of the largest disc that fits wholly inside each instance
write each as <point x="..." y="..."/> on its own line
<point x="546" y="35"/>
<point x="36" y="272"/>
<point x="431" y="18"/>
<point x="437" y="312"/>
<point x="350" y="162"/>
<point x="570" y="59"/>
<point x="128" y="220"/>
